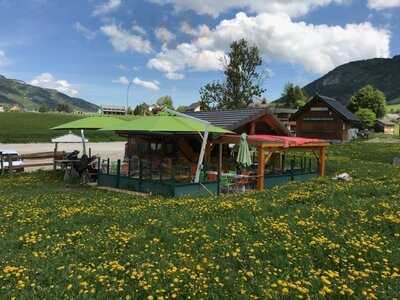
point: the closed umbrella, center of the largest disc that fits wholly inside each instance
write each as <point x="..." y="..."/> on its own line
<point x="244" y="155"/>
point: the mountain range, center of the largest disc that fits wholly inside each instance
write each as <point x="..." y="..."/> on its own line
<point x="16" y="92"/>
<point x="342" y="82"/>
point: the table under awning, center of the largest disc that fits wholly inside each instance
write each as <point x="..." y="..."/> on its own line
<point x="273" y="143"/>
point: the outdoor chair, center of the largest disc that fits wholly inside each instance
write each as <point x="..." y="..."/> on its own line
<point x="243" y="182"/>
<point x="85" y="167"/>
<point x="227" y="183"/>
<point x="92" y="170"/>
<point x="124" y="169"/>
<point x="72" y="155"/>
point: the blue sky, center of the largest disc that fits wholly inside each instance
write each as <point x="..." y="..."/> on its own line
<point x="93" y="48"/>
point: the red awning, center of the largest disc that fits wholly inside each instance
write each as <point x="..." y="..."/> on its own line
<point x="288" y="141"/>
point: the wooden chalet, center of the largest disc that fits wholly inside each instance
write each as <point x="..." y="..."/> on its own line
<point x="184" y="147"/>
<point x="284" y="116"/>
<point x="196" y="153"/>
<point x="173" y="156"/>
<point x="385" y="126"/>
<point x="325" y="118"/>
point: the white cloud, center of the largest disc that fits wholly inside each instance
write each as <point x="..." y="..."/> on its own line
<point x="214" y="8"/>
<point x="383" y="4"/>
<point x="138" y="29"/>
<point x="188" y="29"/>
<point x="107" y="7"/>
<point x="318" y="48"/>
<point x="164" y="35"/>
<point x="186" y="56"/>
<point x="121" y="80"/>
<point x="86" y="32"/>
<point x="3" y="59"/>
<point x="47" y="80"/>
<point x="150" y="85"/>
<point x="123" y="41"/>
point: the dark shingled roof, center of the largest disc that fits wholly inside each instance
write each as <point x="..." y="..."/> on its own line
<point x="333" y="104"/>
<point x="234" y="119"/>
<point x="386" y="122"/>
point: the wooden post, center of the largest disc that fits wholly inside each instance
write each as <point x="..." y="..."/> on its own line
<point x="1" y="163"/>
<point x="252" y="128"/>
<point x="108" y="166"/>
<point x="54" y="156"/>
<point x="129" y="166"/>
<point x="118" y="172"/>
<point x="261" y="169"/>
<point x="292" y="165"/>
<point x="140" y="174"/>
<point x="322" y="161"/>
<point x="10" y="167"/>
<point x="99" y="166"/>
<point x="219" y="168"/>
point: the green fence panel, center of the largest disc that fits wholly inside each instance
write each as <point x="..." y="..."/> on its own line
<point x="274" y="180"/>
<point x="195" y="189"/>
<point x="304" y="177"/>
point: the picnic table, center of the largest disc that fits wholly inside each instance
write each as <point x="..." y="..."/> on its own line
<point x="237" y="182"/>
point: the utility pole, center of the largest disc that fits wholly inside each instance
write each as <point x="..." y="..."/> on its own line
<point x="127" y="96"/>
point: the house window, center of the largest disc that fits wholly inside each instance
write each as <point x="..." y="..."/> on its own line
<point x="319" y="109"/>
<point x="314" y="119"/>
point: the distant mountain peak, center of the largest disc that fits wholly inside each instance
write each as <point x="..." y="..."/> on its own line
<point x="342" y="82"/>
<point x="18" y="92"/>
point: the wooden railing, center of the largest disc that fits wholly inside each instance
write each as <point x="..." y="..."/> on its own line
<point x="8" y="162"/>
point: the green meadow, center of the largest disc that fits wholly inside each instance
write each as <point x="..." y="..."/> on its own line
<point x="35" y="128"/>
<point x="314" y="240"/>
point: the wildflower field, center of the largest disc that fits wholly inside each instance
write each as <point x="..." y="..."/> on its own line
<point x="299" y="241"/>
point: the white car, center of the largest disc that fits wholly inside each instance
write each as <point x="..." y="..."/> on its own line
<point x="16" y="161"/>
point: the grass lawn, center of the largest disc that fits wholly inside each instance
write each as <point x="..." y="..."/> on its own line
<point x="35" y="128"/>
<point x="393" y="108"/>
<point x="311" y="240"/>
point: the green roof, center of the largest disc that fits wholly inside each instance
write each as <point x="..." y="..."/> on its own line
<point x="162" y="123"/>
<point x="92" y="123"/>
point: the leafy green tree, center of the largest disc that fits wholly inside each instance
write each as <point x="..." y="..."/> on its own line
<point x="212" y="95"/>
<point x="165" y="101"/>
<point x="43" y="108"/>
<point x="181" y="108"/>
<point x="367" y="117"/>
<point x="242" y="79"/>
<point x="368" y="97"/>
<point x="293" y="96"/>
<point x="142" y="110"/>
<point x="64" y="107"/>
